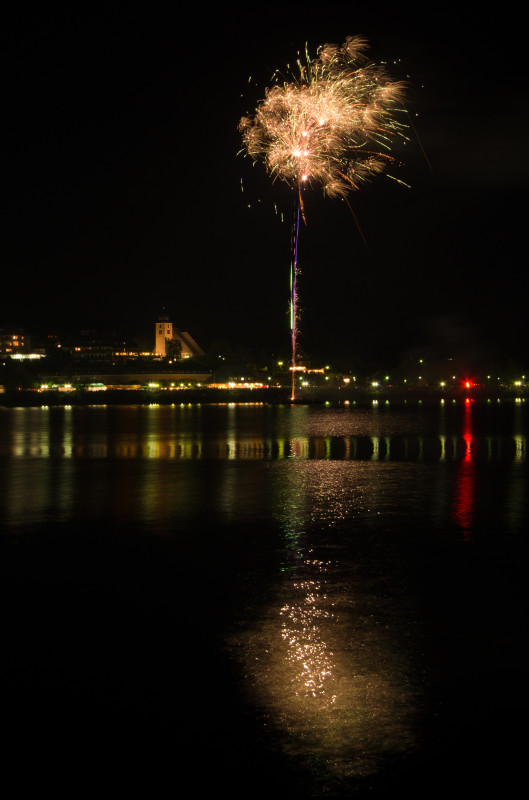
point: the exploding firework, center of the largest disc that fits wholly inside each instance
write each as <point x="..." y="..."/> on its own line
<point x="332" y="125"/>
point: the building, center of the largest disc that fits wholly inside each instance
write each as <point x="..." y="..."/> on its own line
<point x="13" y="341"/>
<point x="173" y="342"/>
<point x="90" y="345"/>
<point x="17" y="346"/>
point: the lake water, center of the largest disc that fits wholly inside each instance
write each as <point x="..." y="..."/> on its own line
<point x="306" y="601"/>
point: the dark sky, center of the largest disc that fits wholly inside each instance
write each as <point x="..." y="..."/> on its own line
<point x="122" y="182"/>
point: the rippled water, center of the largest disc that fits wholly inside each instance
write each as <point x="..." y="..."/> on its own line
<point x="312" y="600"/>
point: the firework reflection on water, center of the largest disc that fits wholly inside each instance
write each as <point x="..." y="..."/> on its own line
<point x="329" y="677"/>
<point x="325" y="664"/>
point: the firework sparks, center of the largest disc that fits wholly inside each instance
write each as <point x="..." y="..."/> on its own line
<point x="333" y="125"/>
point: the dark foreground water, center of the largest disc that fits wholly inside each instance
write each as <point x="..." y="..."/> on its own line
<point x="298" y="601"/>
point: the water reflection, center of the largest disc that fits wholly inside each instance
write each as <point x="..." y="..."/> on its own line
<point x="326" y="663"/>
<point x="465" y="489"/>
<point x="124" y="461"/>
<point x="184" y="433"/>
<point x="309" y="655"/>
<point x="330" y="651"/>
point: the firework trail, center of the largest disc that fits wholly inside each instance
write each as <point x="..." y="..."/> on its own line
<point x="294" y="314"/>
<point x="332" y="125"/>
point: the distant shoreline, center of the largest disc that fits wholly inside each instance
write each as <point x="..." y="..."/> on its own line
<point x="271" y="396"/>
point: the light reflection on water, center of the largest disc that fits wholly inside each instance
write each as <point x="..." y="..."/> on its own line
<point x="184" y="433"/>
<point x="331" y="654"/>
<point x="329" y="662"/>
<point x="325" y="668"/>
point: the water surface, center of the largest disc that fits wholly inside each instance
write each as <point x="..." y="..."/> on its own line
<point x="313" y="600"/>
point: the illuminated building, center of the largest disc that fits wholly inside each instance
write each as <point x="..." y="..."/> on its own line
<point x="90" y="345"/>
<point x="13" y="341"/>
<point x="170" y="341"/>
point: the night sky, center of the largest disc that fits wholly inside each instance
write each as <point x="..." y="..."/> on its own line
<point x="122" y="181"/>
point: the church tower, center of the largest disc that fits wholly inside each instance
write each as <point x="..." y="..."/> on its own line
<point x="182" y="344"/>
<point x="164" y="331"/>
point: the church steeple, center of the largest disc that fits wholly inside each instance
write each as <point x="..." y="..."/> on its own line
<point x="163" y="331"/>
<point x="182" y="343"/>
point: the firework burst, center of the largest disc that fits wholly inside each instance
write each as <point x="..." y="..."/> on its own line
<point x="332" y="125"/>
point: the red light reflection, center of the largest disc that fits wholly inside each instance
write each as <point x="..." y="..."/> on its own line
<point x="465" y="489"/>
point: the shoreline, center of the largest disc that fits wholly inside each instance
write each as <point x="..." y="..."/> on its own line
<point x="271" y="396"/>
